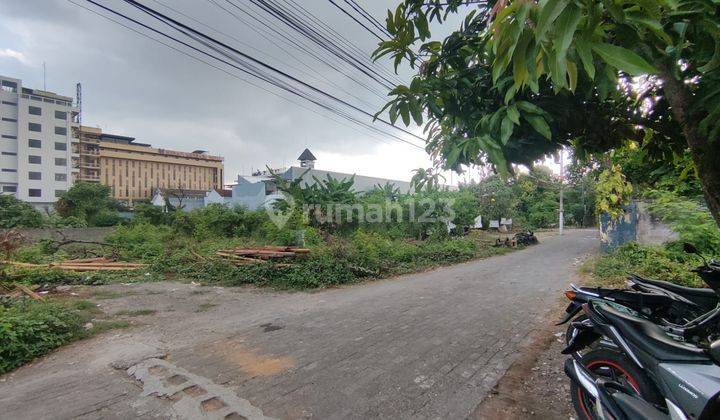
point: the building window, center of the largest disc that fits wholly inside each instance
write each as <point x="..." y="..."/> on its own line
<point x="9" y="103"/>
<point x="9" y="170"/>
<point x="59" y="193"/>
<point x="35" y="110"/>
<point x="9" y="188"/>
<point x="36" y="98"/>
<point x="35" y="176"/>
<point x="61" y="131"/>
<point x="60" y="146"/>
<point x="34" y="192"/>
<point x="9" y="119"/>
<point x="60" y="177"/>
<point x="34" y="127"/>
<point x="61" y="115"/>
<point x="34" y="159"/>
<point x="60" y="162"/>
<point x="5" y="136"/>
<point x="34" y="143"/>
<point x="9" y="154"/>
<point x="8" y="86"/>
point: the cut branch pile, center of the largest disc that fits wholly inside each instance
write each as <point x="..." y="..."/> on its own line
<point x="245" y="256"/>
<point x="85" y="264"/>
<point x="16" y="290"/>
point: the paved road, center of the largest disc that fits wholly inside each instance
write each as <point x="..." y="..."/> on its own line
<point x="428" y="345"/>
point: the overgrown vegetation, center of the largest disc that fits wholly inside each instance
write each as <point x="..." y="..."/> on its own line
<point x="693" y="223"/>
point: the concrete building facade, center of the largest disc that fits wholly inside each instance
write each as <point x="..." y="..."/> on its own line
<point x="134" y="171"/>
<point x="37" y="145"/>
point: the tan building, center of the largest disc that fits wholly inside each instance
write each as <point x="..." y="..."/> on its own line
<point x="134" y="170"/>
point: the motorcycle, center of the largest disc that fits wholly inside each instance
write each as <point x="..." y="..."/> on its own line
<point x="645" y="374"/>
<point x="687" y="314"/>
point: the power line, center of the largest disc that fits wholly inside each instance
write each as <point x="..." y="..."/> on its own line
<point x="356" y="20"/>
<point x="306" y="73"/>
<point x="322" y="41"/>
<point x="290" y="41"/>
<point x="339" y="37"/>
<point x="175" y="24"/>
<point x="267" y="78"/>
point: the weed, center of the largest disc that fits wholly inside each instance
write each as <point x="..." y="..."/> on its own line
<point x="101" y="326"/>
<point x="136" y="312"/>
<point x="205" y="306"/>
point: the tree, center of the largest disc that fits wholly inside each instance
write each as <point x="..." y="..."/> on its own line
<point x="15" y="213"/>
<point x="521" y="78"/>
<point x="427" y="179"/>
<point x="496" y="198"/>
<point x="90" y="202"/>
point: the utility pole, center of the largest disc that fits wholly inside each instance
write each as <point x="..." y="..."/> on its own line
<point x="562" y="181"/>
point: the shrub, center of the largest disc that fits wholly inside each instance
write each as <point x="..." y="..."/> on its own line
<point x="141" y="241"/>
<point x="29" y="329"/>
<point x="654" y="262"/>
<point x="688" y="218"/>
<point x="16" y="213"/>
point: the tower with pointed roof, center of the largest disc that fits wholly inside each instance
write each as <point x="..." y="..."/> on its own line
<point x="307" y="159"/>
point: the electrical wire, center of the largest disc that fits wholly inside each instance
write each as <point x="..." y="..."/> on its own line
<point x="240" y="67"/>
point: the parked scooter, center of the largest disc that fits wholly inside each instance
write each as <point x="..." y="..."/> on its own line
<point x="687" y="314"/>
<point x="645" y="374"/>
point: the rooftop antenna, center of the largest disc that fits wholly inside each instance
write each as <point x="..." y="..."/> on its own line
<point x="44" y="77"/>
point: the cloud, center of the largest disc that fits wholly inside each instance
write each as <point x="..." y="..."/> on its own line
<point x="136" y="87"/>
<point x="17" y="55"/>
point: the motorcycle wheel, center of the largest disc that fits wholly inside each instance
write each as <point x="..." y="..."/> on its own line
<point x="615" y="366"/>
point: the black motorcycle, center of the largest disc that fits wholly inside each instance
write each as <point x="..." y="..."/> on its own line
<point x="643" y="374"/>
<point x="687" y="314"/>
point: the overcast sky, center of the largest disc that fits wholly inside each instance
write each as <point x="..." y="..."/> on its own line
<point x="133" y="86"/>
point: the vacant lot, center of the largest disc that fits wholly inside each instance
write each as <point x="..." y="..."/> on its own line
<point x="422" y="345"/>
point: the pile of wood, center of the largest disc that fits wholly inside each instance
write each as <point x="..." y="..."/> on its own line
<point x="84" y="264"/>
<point x="244" y="256"/>
<point x="16" y="290"/>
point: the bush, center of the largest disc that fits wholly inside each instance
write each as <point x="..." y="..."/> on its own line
<point x="29" y="329"/>
<point x="148" y="213"/>
<point x="688" y="218"/>
<point x="656" y="262"/>
<point x="141" y="241"/>
<point x="16" y="213"/>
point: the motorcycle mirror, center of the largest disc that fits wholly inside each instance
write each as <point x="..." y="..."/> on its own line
<point x="690" y="248"/>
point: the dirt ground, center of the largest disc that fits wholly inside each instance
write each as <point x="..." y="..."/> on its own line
<point x="535" y="386"/>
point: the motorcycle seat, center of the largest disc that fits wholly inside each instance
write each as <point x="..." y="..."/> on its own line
<point x="651" y="338"/>
<point x="681" y="290"/>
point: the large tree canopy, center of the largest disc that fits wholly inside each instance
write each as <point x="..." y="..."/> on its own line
<point x="521" y="78"/>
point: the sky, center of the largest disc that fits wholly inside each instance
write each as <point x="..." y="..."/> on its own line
<point x="136" y="87"/>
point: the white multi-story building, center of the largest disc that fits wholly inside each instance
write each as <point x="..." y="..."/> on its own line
<point x="37" y="147"/>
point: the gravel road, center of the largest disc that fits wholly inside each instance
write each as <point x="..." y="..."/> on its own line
<point x="427" y="345"/>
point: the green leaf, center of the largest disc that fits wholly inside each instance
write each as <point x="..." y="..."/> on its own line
<point x="539" y="124"/>
<point x="513" y="114"/>
<point x="506" y="130"/>
<point x="416" y="112"/>
<point x="566" y="24"/>
<point x="405" y="113"/>
<point x="623" y="59"/>
<point x="582" y="47"/>
<point x="393" y="113"/>
<point x="530" y="108"/>
<point x="550" y="11"/>
<point x="572" y="75"/>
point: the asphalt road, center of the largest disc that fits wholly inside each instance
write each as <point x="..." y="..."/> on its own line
<point x="427" y="345"/>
